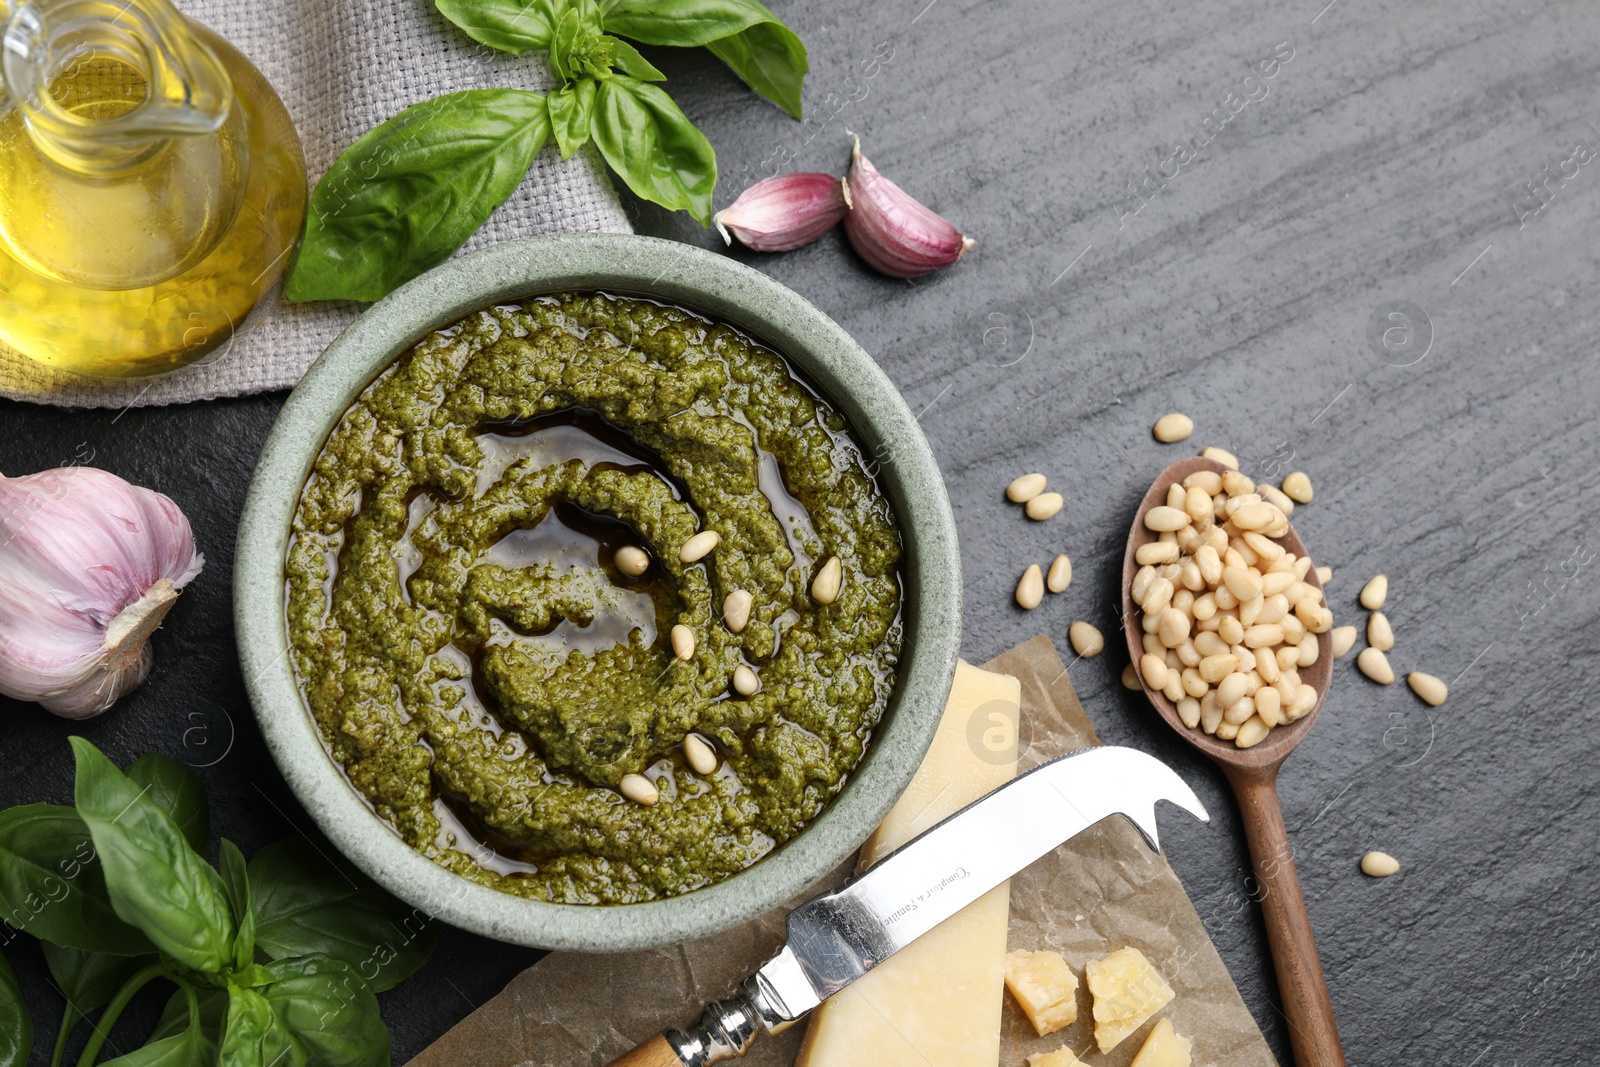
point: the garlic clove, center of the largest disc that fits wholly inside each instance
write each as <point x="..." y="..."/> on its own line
<point x="89" y="566"/>
<point x="783" y="213"/>
<point x="891" y="230"/>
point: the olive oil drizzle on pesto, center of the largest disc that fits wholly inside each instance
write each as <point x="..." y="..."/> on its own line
<point x="486" y="675"/>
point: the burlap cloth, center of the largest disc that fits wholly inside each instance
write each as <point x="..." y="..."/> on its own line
<point x="342" y="67"/>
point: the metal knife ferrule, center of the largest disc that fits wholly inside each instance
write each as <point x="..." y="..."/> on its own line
<point x="771" y="999"/>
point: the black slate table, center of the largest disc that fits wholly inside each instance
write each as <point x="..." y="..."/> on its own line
<point x="1377" y="265"/>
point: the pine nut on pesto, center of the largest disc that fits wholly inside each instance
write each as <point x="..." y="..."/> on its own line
<point x="494" y="671"/>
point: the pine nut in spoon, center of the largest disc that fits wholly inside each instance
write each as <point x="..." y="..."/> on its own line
<point x="1253" y="773"/>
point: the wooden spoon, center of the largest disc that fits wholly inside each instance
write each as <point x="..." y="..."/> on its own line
<point x="1253" y="773"/>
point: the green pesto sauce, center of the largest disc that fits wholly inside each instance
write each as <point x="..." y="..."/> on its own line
<point x="484" y="673"/>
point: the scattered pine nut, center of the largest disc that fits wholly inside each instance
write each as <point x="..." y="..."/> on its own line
<point x="631" y="560"/>
<point x="1380" y="635"/>
<point x="1043" y="506"/>
<point x="1222" y="456"/>
<point x="1130" y="678"/>
<point x="1172" y="428"/>
<point x="1375" y="665"/>
<point x="1324" y="575"/>
<point x="683" y="642"/>
<point x="701" y="756"/>
<point x="746" y="682"/>
<point x="1023" y="489"/>
<point x="1375" y="592"/>
<point x="1379" y="865"/>
<point x="1060" y="574"/>
<point x="1430" y="689"/>
<point x="699" y="546"/>
<point x="639" y="789"/>
<point x="1030" y="588"/>
<point x="736" y="609"/>
<point x="1086" y="640"/>
<point x="829" y="580"/>
<point x="1344" y="639"/>
<point x="1297" y="487"/>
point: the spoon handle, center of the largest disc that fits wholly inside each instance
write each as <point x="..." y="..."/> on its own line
<point x="1313" y="1034"/>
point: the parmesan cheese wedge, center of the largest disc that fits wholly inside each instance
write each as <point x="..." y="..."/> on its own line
<point x="936" y="1002"/>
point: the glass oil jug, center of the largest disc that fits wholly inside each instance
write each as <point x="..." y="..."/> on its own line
<point x="151" y="187"/>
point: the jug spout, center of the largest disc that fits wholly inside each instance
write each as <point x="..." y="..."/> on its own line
<point x="102" y="84"/>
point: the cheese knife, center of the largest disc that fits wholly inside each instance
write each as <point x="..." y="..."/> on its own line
<point x="837" y="937"/>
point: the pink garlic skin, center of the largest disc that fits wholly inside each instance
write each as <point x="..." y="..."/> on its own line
<point x="891" y="230"/>
<point x="783" y="213"/>
<point x="89" y="564"/>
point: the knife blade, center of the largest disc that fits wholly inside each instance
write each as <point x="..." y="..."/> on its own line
<point x="837" y="937"/>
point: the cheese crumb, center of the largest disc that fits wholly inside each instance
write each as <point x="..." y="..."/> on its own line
<point x="1163" y="1048"/>
<point x="1045" y="987"/>
<point x="1061" y="1057"/>
<point x="1127" y="991"/>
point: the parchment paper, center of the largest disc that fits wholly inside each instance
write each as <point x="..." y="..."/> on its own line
<point x="1102" y="890"/>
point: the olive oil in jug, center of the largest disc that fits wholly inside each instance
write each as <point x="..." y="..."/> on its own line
<point x="151" y="187"/>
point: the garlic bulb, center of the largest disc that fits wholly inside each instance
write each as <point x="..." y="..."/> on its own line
<point x="891" y="230"/>
<point x="89" y="566"/>
<point x="783" y="213"/>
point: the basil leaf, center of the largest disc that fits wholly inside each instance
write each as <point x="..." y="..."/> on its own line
<point x="179" y="793"/>
<point x="330" y="1010"/>
<point x="52" y="887"/>
<point x="651" y="143"/>
<point x="411" y="191"/>
<point x="761" y="49"/>
<point x="252" y="1036"/>
<point x="89" y="979"/>
<point x="310" y="902"/>
<point x="770" y="59"/>
<point x="154" y="879"/>
<point x="564" y="43"/>
<point x="16" y="1027"/>
<point x="570" y="111"/>
<point x="627" y="59"/>
<point x="237" y="880"/>
<point x="512" y="26"/>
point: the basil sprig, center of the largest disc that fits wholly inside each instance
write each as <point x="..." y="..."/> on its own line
<point x="411" y="191"/>
<point x="276" y="961"/>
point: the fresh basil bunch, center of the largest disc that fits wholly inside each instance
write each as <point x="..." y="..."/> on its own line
<point x="411" y="191"/>
<point x="276" y="961"/>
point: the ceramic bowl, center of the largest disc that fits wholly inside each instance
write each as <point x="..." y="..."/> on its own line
<point x="722" y="289"/>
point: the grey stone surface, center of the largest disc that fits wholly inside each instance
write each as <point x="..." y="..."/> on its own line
<point x="1385" y="164"/>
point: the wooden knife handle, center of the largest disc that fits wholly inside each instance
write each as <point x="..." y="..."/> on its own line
<point x="1313" y="1034"/>
<point x="653" y="1053"/>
